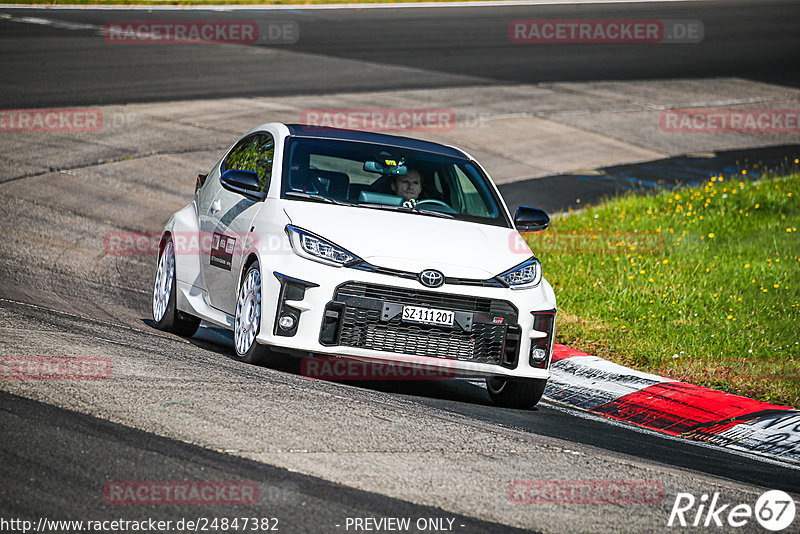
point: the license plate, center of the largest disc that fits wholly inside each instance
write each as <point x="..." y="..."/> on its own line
<point x="418" y="314"/>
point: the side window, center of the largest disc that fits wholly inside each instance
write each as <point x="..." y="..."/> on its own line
<point x="474" y="201"/>
<point x="254" y="153"/>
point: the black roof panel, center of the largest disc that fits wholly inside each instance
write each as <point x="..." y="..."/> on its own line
<point x="324" y="132"/>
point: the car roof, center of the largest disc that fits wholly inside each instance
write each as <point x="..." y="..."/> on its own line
<point x="324" y="132"/>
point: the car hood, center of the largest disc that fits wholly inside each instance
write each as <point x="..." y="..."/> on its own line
<point x="412" y="242"/>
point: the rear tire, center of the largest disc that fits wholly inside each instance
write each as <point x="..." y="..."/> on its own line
<point x="516" y="393"/>
<point x="165" y="313"/>
<point x="247" y="322"/>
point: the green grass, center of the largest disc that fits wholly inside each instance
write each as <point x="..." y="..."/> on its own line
<point x="700" y="284"/>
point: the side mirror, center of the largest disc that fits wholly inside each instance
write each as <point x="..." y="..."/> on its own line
<point x="201" y="179"/>
<point x="243" y="182"/>
<point x="531" y="219"/>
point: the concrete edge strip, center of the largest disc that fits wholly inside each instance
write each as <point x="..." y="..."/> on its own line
<point x="672" y="407"/>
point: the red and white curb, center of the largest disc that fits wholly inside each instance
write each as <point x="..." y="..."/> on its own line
<point x="671" y="407"/>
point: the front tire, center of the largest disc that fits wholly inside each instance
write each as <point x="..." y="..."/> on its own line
<point x="165" y="313"/>
<point x="247" y="321"/>
<point x="516" y="393"/>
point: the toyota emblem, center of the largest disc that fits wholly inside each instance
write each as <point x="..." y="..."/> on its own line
<point x="431" y="278"/>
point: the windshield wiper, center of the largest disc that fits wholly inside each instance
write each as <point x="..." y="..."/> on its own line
<point x="435" y="213"/>
<point x="382" y="206"/>
<point x="406" y="209"/>
<point x="315" y="197"/>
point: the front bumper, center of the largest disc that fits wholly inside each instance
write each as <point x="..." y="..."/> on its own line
<point x="346" y="312"/>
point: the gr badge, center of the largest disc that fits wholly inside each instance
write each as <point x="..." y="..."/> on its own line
<point x="222" y="251"/>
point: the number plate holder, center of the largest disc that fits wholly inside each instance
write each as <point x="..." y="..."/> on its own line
<point x="393" y="310"/>
<point x="430" y="316"/>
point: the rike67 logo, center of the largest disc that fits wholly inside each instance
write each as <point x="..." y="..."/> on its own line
<point x="774" y="510"/>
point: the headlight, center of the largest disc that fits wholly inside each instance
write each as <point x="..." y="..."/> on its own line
<point x="313" y="247"/>
<point x="523" y="276"/>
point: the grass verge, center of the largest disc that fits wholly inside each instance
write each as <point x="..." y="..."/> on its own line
<point x="701" y="284"/>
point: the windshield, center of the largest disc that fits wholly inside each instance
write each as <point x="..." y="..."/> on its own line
<point x="386" y="177"/>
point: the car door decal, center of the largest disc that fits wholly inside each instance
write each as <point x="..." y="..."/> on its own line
<point x="222" y="249"/>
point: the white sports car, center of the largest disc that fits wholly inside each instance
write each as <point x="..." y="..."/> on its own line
<point x="317" y="241"/>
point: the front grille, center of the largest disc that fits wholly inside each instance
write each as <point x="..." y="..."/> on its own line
<point x="414" y="297"/>
<point x="361" y="325"/>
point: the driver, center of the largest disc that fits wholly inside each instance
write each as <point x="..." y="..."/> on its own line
<point x="409" y="187"/>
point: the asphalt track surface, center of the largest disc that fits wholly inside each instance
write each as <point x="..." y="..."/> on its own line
<point x="55" y="462"/>
<point x="383" y="49"/>
<point x="300" y="503"/>
<point x="61" y="297"/>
